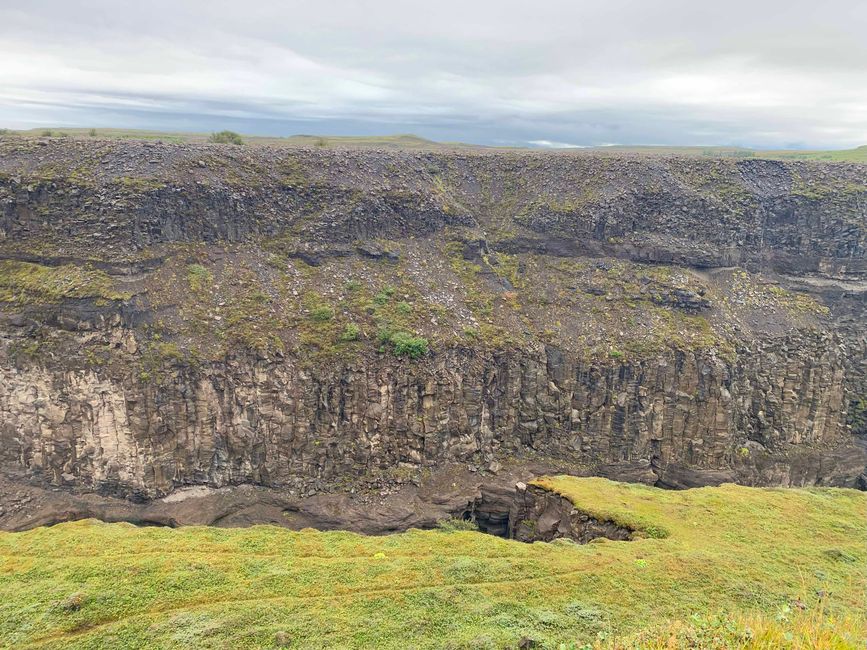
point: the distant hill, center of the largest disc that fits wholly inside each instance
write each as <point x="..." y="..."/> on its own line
<point x="398" y="141"/>
<point x="841" y="155"/>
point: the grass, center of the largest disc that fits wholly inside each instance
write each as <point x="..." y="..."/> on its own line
<point x="717" y="568"/>
<point x="410" y="141"/>
<point x="858" y="154"/>
<point x="398" y="141"/>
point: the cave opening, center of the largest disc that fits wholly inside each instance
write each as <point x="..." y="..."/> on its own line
<point x="491" y="516"/>
<point x="532" y="514"/>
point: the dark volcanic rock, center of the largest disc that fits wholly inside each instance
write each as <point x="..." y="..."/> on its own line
<point x="114" y="393"/>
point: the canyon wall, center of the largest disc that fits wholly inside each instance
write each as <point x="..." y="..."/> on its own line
<point x="110" y="382"/>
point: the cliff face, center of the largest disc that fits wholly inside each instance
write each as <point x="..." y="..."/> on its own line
<point x="174" y="315"/>
<point x="777" y="417"/>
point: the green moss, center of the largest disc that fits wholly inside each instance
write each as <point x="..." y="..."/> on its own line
<point x="140" y="184"/>
<point x="404" y="308"/>
<point x="224" y="309"/>
<point x="321" y="314"/>
<point x="199" y="278"/>
<point x="403" y="343"/>
<point x="563" y="205"/>
<point x="445" y="195"/>
<point x="384" y="295"/>
<point x="292" y="173"/>
<point x="320" y="333"/>
<point x="495" y="336"/>
<point x="825" y="188"/>
<point x="506" y="266"/>
<point x="23" y="283"/>
<point x="749" y="291"/>
<point x="159" y="357"/>
<point x="250" y="322"/>
<point x="350" y="333"/>
<point x="858" y="414"/>
<point x="26" y="350"/>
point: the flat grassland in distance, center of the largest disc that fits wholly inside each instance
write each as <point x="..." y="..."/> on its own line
<point x="410" y="141"/>
<point x="399" y="141"/>
<point x="724" y="567"/>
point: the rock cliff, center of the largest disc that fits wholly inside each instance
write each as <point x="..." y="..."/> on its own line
<point x="311" y="320"/>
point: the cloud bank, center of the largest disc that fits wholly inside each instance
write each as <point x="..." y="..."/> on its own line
<point x="763" y="74"/>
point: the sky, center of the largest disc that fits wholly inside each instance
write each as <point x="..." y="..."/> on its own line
<point x="548" y="73"/>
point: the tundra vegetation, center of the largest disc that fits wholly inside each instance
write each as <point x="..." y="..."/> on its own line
<point x="724" y="567"/>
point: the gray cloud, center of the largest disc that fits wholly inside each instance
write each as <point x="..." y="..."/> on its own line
<point x="759" y="73"/>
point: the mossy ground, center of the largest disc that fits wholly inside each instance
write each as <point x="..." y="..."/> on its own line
<point x="717" y="568"/>
<point x="23" y="283"/>
<point x="210" y="301"/>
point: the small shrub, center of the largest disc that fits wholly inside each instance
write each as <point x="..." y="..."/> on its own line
<point x="404" y="308"/>
<point x="198" y="277"/>
<point x="92" y="133"/>
<point x="321" y="314"/>
<point x="226" y="137"/>
<point x="384" y="295"/>
<point x="858" y="414"/>
<point x="409" y="345"/>
<point x="403" y="343"/>
<point x="350" y="333"/>
<point x="455" y="524"/>
<point x="353" y="285"/>
<point x="615" y="354"/>
<point x="47" y="133"/>
<point x="584" y="614"/>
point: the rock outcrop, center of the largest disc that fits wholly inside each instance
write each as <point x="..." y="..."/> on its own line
<point x="539" y="515"/>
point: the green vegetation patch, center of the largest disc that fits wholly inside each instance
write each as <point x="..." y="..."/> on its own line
<point x="404" y="343"/>
<point x="226" y="137"/>
<point x="23" y="283"/>
<point x="738" y="568"/>
<point x="749" y="291"/>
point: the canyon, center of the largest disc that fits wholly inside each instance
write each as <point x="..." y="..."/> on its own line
<point x="376" y="340"/>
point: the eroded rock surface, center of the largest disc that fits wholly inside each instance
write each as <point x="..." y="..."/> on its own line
<point x="539" y="515"/>
<point x="304" y="320"/>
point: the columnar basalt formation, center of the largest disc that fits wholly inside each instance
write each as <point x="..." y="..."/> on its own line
<point x="176" y="315"/>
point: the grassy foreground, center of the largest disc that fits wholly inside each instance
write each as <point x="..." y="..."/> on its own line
<point x="719" y="568"/>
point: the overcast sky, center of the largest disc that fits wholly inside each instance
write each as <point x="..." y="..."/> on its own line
<point x="763" y="73"/>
